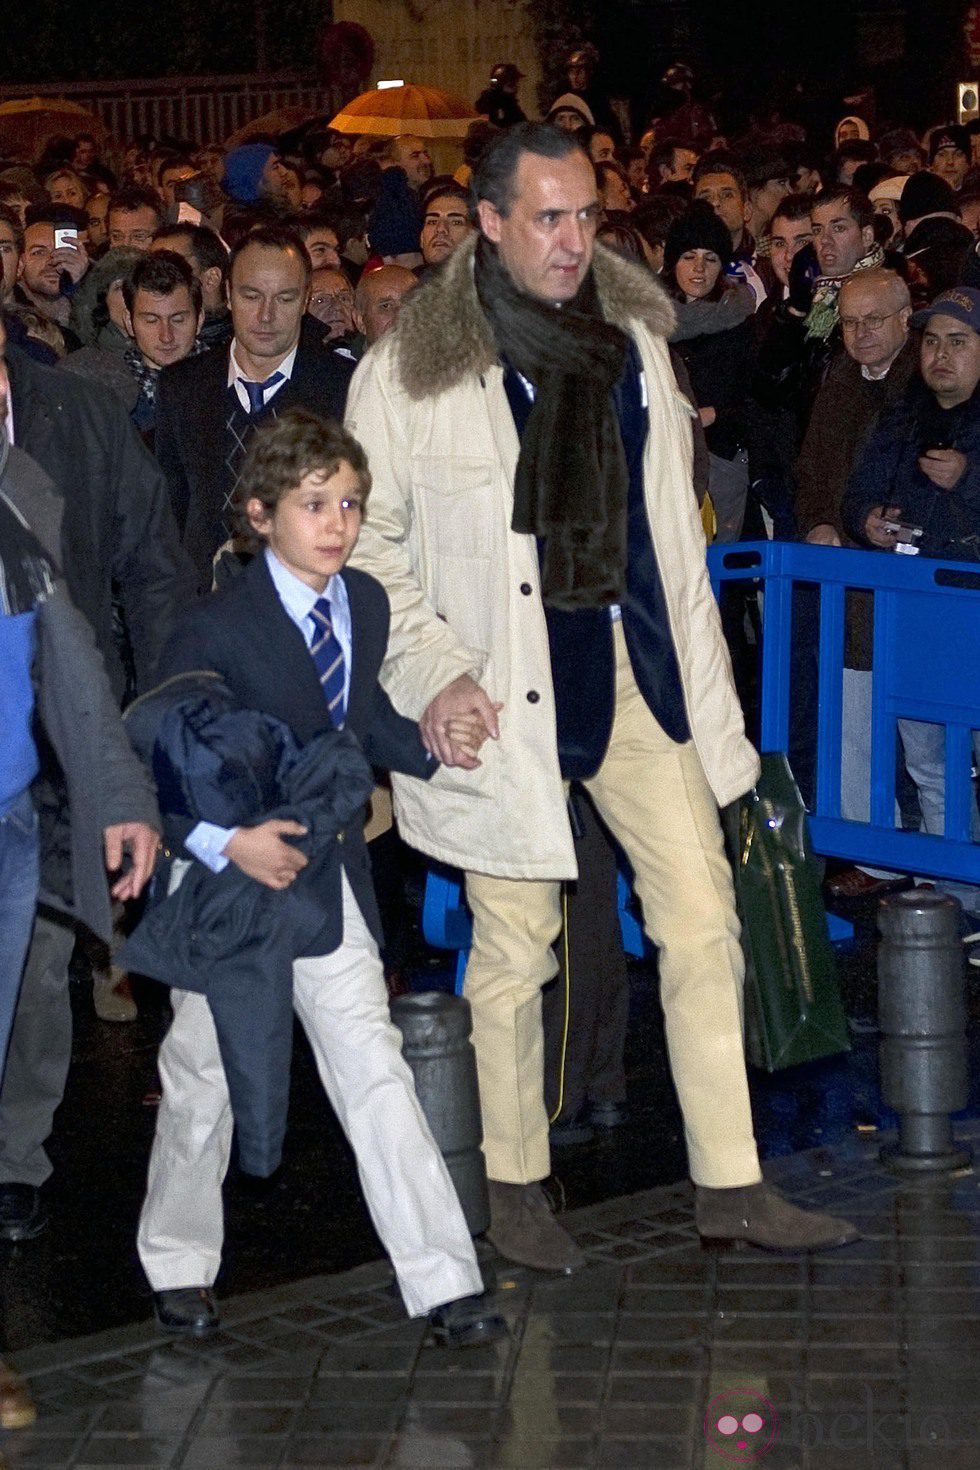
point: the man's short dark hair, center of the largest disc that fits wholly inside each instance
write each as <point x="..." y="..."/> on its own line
<point x="662" y="156"/>
<point x="160" y="272"/>
<point x="444" y="186"/>
<point x="791" y="207"/>
<point x="655" y="216"/>
<point x="280" y="454"/>
<point x="10" y="217"/>
<point x="858" y="205"/>
<point x="861" y="150"/>
<point x="494" y="175"/>
<point x="272" y="237"/>
<point x="319" y="218"/>
<point x="720" y="161"/>
<point x="208" y="250"/>
<point x="134" y="196"/>
<point x="64" y="216"/>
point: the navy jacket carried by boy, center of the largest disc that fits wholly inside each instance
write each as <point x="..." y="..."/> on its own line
<point x="258" y="743"/>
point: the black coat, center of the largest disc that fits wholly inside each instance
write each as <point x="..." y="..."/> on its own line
<point x="245" y="634"/>
<point x="720" y="368"/>
<point x="118" y="535"/>
<point x="190" y="434"/>
<point x="225" y="935"/>
<point x="887" y="473"/>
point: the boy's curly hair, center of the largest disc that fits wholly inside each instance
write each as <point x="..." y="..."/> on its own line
<point x="283" y="452"/>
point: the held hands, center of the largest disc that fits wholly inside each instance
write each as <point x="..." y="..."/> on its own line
<point x="944" y="467"/>
<point x="262" y="854"/>
<point x="140" y="842"/>
<point x="876" y="526"/>
<point x="458" y="721"/>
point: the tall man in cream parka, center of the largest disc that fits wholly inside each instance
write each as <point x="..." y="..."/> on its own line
<point x="534" y="524"/>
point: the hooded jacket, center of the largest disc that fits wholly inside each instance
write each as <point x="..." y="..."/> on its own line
<point x="429" y="405"/>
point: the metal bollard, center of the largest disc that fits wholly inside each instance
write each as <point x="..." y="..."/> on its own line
<point x="436" y="1045"/>
<point x="922" y="1014"/>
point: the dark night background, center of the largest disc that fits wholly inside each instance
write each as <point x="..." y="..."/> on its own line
<point x="804" y="56"/>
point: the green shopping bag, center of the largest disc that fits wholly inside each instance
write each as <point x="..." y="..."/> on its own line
<point x="793" y="1009"/>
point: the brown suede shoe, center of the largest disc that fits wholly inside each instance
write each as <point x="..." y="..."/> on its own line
<point x="17" y="1409"/>
<point x="523" y="1228"/>
<point x="757" y="1214"/>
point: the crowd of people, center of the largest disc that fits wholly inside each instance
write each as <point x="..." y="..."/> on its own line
<point x="558" y="367"/>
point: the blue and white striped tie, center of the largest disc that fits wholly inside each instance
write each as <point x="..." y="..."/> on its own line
<point x="328" y="656"/>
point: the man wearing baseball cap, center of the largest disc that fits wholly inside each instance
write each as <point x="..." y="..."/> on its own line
<point x="922" y="464"/>
<point x="920" y="472"/>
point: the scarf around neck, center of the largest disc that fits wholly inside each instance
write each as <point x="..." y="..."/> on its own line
<point x="572" y="481"/>
<point x="822" y="317"/>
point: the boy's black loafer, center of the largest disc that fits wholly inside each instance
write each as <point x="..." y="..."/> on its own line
<point x="465" y="1322"/>
<point x="189" y="1310"/>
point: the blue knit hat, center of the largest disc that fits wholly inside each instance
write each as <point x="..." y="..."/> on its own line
<point x="244" y="167"/>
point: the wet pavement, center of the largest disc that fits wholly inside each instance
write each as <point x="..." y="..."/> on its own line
<point x="868" y="1356"/>
<point x="658" y="1354"/>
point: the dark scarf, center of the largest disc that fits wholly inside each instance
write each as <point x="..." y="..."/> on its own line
<point x="572" y="480"/>
<point x="147" y="377"/>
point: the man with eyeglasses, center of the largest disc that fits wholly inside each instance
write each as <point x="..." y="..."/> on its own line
<point x="133" y="215"/>
<point x="920" y="469"/>
<point x="867" y="379"/>
<point x="332" y="303"/>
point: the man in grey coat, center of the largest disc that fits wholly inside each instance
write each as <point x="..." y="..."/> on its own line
<point x="50" y="666"/>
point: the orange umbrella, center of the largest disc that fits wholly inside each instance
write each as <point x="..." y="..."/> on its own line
<point x="28" y="123"/>
<point x="425" y="111"/>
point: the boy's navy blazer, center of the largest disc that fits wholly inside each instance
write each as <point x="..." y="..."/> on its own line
<point x="245" y="634"/>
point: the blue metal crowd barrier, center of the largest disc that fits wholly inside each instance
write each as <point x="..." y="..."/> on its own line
<point x="926" y="657"/>
<point x="926" y="666"/>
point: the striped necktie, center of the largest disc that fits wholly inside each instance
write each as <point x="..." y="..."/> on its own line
<point x="328" y="656"/>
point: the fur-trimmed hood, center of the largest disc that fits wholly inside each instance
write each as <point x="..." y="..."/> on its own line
<point x="443" y="336"/>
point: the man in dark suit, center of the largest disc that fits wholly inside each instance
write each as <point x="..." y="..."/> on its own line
<point x="118" y="544"/>
<point x="298" y="638"/>
<point x="208" y="407"/>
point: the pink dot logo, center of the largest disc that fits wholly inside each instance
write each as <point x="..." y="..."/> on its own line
<point x="742" y="1425"/>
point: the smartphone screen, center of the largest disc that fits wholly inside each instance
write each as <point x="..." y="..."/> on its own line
<point x="65" y="237"/>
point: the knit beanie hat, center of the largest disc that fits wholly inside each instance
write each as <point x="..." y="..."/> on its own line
<point x="243" y="171"/>
<point x="925" y="193"/>
<point x="698" y="228"/>
<point x="951" y="136"/>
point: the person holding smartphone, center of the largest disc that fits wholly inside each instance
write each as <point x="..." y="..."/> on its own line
<point x="52" y="265"/>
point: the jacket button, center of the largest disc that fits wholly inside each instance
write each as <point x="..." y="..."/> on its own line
<point x="340" y="836"/>
<point x="533" y="696"/>
<point x="526" y="589"/>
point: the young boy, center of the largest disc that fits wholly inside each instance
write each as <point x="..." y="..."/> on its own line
<point x="298" y="637"/>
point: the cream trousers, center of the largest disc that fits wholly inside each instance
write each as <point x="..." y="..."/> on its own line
<point x="342" y="1003"/>
<point x="654" y="797"/>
